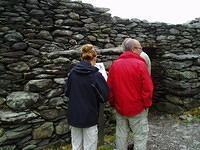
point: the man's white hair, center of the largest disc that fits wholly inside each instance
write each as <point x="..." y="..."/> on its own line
<point x="128" y="44"/>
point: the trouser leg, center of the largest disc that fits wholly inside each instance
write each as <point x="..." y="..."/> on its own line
<point x="90" y="136"/>
<point x="140" y="128"/>
<point x="77" y="138"/>
<point x="121" y="132"/>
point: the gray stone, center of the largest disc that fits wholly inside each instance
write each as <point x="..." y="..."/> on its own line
<point x="161" y="37"/>
<point x="13" y="37"/>
<point x="51" y="114"/>
<point x="19" y="46"/>
<point x="74" y="15"/>
<point x="63" y="40"/>
<point x="62" y="127"/>
<point x="71" y="22"/>
<point x="44" y="131"/>
<point x="22" y="100"/>
<point x="56" y="101"/>
<point x="16" y="54"/>
<point x="92" y="38"/>
<point x="78" y="36"/>
<point x="61" y="60"/>
<point x="50" y="48"/>
<point x="17" y="19"/>
<point x="59" y="81"/>
<point x="68" y="53"/>
<point x="62" y="33"/>
<point x="3" y="92"/>
<point x="19" y="67"/>
<point x="185" y="41"/>
<point x="30" y="147"/>
<point x="181" y="57"/>
<point x="12" y="134"/>
<point x="174" y="99"/>
<point x="169" y="107"/>
<point x="181" y="75"/>
<point x="73" y="5"/>
<point x="37" y="12"/>
<point x="171" y="37"/>
<point x="2" y="100"/>
<point x="45" y="35"/>
<point x="1" y="132"/>
<point x="92" y="26"/>
<point x="176" y="65"/>
<point x="2" y="68"/>
<point x="38" y="85"/>
<point x="55" y="92"/>
<point x="33" y="62"/>
<point x="33" y="1"/>
<point x="10" y="147"/>
<point x="109" y="45"/>
<point x="174" y="31"/>
<point x="88" y="20"/>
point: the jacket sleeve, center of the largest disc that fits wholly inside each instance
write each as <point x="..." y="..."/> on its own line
<point x="147" y="87"/>
<point x="101" y="87"/>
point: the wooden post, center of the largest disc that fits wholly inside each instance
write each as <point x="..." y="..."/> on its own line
<point x="101" y="124"/>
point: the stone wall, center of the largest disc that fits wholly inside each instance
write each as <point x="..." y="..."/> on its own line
<point x="39" y="43"/>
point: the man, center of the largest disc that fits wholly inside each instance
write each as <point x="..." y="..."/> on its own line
<point x="131" y="92"/>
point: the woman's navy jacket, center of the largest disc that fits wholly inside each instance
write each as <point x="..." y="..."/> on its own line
<point x="83" y="98"/>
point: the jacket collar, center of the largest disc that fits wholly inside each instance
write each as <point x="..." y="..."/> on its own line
<point x="129" y="54"/>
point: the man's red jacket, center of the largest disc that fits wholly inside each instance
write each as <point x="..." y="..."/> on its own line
<point x="130" y="84"/>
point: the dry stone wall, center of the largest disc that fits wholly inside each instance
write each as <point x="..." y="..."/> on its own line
<point x="39" y="42"/>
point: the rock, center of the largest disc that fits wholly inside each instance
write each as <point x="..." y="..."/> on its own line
<point x="62" y="33"/>
<point x="88" y="20"/>
<point x="50" y="48"/>
<point x="174" y="31"/>
<point x="19" y="67"/>
<point x="44" y="131"/>
<point x="22" y="100"/>
<point x="20" y="117"/>
<point x="62" y="127"/>
<point x="13" y="37"/>
<point x="45" y="35"/>
<point x="176" y="65"/>
<point x="56" y="101"/>
<point x="2" y="100"/>
<point x="61" y="60"/>
<point x="1" y="132"/>
<point x="78" y="37"/>
<point x="185" y="41"/>
<point x="10" y="147"/>
<point x="59" y="81"/>
<point x="169" y="107"/>
<point x="37" y="13"/>
<point x="92" y="38"/>
<point x="38" y="85"/>
<point x="54" y="93"/>
<point x="51" y="114"/>
<point x="30" y="147"/>
<point x="73" y="15"/>
<point x="20" y="46"/>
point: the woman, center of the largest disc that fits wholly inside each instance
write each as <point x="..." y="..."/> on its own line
<point x="84" y="88"/>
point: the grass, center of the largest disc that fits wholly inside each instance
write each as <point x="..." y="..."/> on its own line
<point x="194" y="113"/>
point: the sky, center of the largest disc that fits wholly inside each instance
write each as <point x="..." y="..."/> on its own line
<point x="168" y="11"/>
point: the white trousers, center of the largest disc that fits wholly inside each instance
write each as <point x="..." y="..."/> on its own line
<point x="84" y="138"/>
<point x="138" y="125"/>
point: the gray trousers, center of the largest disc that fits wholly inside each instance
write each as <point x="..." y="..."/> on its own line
<point x="84" y="138"/>
<point x="138" y="125"/>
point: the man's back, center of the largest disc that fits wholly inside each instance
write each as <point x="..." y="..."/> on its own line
<point x="127" y="77"/>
